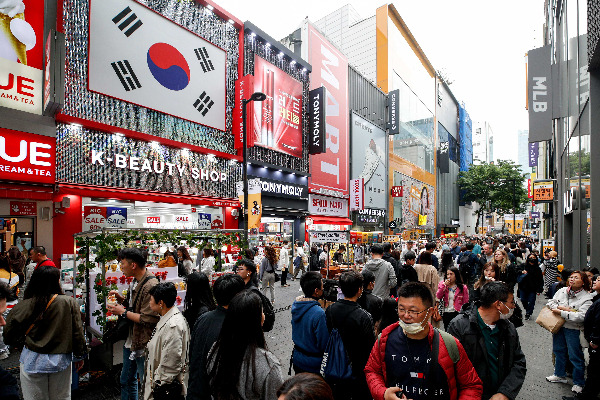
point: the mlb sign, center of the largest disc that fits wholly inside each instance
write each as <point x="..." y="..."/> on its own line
<point x="141" y="57"/>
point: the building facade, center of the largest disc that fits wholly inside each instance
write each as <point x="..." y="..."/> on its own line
<point x="483" y="143"/>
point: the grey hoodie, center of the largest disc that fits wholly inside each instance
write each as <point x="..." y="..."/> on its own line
<point x="385" y="278"/>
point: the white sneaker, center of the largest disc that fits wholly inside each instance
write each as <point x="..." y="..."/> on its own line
<point x="576" y="389"/>
<point x="556" y="379"/>
<point x="4" y="355"/>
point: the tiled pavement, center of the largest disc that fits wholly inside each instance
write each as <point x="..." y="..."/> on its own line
<point x="535" y="341"/>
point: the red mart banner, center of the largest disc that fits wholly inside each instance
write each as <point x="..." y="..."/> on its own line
<point x="277" y="122"/>
<point x="330" y="170"/>
<point x="27" y="157"/>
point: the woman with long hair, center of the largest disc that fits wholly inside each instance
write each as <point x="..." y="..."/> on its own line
<point x="453" y="293"/>
<point x="531" y="282"/>
<point x="571" y="303"/>
<point x="17" y="263"/>
<point x="198" y="297"/>
<point x="207" y="265"/>
<point x="268" y="266"/>
<point x="54" y="337"/>
<point x="239" y="364"/>
<point x="185" y="261"/>
<point x="446" y="262"/>
<point x="508" y="271"/>
<point x="491" y="272"/>
<point x="389" y="314"/>
<point x="166" y="366"/>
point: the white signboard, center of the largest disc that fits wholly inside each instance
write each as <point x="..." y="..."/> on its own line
<point x="357" y="194"/>
<point x="330" y="206"/>
<point x="141" y="57"/>
<point x="20" y="87"/>
<point x="328" y="237"/>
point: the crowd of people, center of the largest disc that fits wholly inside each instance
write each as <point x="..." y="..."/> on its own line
<point x="434" y="320"/>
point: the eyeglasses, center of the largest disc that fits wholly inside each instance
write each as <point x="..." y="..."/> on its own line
<point x="410" y="313"/>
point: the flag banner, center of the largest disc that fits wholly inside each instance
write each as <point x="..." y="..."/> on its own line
<point x="254" y="199"/>
<point x="141" y="57"/>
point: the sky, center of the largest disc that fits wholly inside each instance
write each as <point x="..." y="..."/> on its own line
<point x="480" y="45"/>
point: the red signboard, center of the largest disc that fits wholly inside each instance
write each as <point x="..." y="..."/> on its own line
<point x="397" y="191"/>
<point x="277" y="121"/>
<point x="23" y="208"/>
<point x="27" y="157"/>
<point x="243" y="90"/>
<point x="330" y="170"/>
<point x="153" y="220"/>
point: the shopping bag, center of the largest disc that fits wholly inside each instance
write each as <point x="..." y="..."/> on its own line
<point x="549" y="321"/>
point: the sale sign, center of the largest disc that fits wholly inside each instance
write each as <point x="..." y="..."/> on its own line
<point x="94" y="218"/>
<point x="116" y="217"/>
<point x="278" y="119"/>
<point x="27" y="157"/>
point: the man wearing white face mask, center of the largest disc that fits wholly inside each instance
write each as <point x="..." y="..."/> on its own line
<point x="492" y="342"/>
<point x="413" y="360"/>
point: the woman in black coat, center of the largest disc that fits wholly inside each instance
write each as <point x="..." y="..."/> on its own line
<point x="531" y="283"/>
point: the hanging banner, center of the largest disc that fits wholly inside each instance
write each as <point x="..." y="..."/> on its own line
<point x="330" y="170"/>
<point x="243" y="91"/>
<point x="444" y="158"/>
<point x="139" y="56"/>
<point x="277" y="120"/>
<point x="533" y="154"/>
<point x="254" y="199"/>
<point x="422" y="220"/>
<point x="539" y="94"/>
<point x="543" y="191"/>
<point x="357" y="194"/>
<point x="548" y="244"/>
<point x="518" y="220"/>
<point x="317" y="110"/>
<point x="393" y="101"/>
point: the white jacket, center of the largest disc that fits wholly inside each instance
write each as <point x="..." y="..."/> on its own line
<point x="208" y="266"/>
<point x="167" y="357"/>
<point x="284" y="258"/>
<point x="579" y="303"/>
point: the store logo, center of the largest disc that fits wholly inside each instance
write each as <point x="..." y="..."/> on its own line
<point x="132" y="23"/>
<point x="205" y="62"/>
<point x="168" y="66"/>
<point x="25" y="157"/>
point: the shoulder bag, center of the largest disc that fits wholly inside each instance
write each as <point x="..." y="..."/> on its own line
<point x="549" y="321"/>
<point x="21" y="342"/>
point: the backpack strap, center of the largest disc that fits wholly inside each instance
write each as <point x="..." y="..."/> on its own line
<point x="451" y="346"/>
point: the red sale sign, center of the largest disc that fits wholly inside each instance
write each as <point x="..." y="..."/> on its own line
<point x="153" y="220"/>
<point x="27" y="157"/>
<point x="330" y="170"/>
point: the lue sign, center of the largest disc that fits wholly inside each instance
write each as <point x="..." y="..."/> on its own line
<point x="141" y="57"/>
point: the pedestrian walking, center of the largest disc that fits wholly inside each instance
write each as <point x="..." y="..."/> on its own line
<point x="313" y="260"/>
<point x="571" y="303"/>
<point x="453" y="294"/>
<point x="16" y="262"/>
<point x="492" y="342"/>
<point x="508" y="269"/>
<point x="54" y="337"/>
<point x="40" y="257"/>
<point x="267" y="272"/>
<point x="305" y="386"/>
<point x="407" y="271"/>
<point x="166" y="376"/>
<point x="531" y="283"/>
<point x="284" y="262"/>
<point x="427" y="273"/>
<point x="368" y="301"/>
<point x="385" y="277"/>
<point x="239" y="364"/>
<point x="299" y="257"/>
<point x="198" y="297"/>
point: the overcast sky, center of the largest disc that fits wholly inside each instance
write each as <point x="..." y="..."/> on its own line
<point x="481" y="46"/>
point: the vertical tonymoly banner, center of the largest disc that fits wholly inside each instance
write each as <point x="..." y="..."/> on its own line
<point x="329" y="170"/>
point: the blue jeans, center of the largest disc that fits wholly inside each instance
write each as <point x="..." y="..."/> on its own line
<point x="129" y="375"/>
<point x="528" y="300"/>
<point x="565" y="343"/>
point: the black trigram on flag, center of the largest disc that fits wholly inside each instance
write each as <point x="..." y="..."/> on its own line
<point x="126" y="75"/>
<point x="203" y="103"/>
<point x="131" y="23"/>
<point x="205" y="62"/>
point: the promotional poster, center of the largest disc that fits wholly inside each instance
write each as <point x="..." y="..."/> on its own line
<point x="418" y="204"/>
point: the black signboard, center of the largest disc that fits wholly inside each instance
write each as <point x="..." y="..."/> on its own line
<point x="443" y="158"/>
<point x="317" y="101"/>
<point x="394" y="112"/>
<point x="392" y="225"/>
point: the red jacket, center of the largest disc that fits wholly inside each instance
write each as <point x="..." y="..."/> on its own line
<point x="463" y="381"/>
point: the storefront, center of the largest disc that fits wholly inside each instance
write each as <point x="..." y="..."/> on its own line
<point x="27" y="175"/>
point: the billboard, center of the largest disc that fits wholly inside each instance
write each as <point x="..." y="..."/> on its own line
<point x="27" y="157"/>
<point x="329" y="170"/>
<point x="139" y="56"/>
<point x="21" y="55"/>
<point x="368" y="160"/>
<point x="418" y="204"/>
<point x="277" y="121"/>
<point x="543" y="191"/>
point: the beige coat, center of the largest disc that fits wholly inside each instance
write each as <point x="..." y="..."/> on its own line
<point x="428" y="274"/>
<point x="167" y="353"/>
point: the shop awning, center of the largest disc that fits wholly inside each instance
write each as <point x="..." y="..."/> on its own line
<point x="319" y="219"/>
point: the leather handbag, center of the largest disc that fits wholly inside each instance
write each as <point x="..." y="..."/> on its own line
<point x="169" y="391"/>
<point x="549" y="321"/>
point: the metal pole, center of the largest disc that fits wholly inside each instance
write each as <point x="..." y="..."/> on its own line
<point x="245" y="207"/>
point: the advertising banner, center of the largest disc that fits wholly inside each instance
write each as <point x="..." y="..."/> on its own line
<point x="21" y="55"/>
<point x="329" y="170"/>
<point x="116" y="217"/>
<point x="23" y="208"/>
<point x="418" y="198"/>
<point x="394" y="112"/>
<point x="204" y="221"/>
<point x="391" y="238"/>
<point x="444" y="158"/>
<point x="243" y="91"/>
<point x="370" y="216"/>
<point x="533" y="154"/>
<point x="519" y="221"/>
<point x="535" y="214"/>
<point x="27" y="157"/>
<point x="539" y="94"/>
<point x="254" y="200"/>
<point x="529" y="189"/>
<point x="357" y="194"/>
<point x="330" y="206"/>
<point x="369" y="160"/>
<point x="543" y="191"/>
<point x="548" y="244"/>
<point x="96" y="218"/>
<point x="138" y="56"/>
<point x="277" y="121"/>
<point x="397" y="191"/>
<point x="328" y="237"/>
<point x="317" y="110"/>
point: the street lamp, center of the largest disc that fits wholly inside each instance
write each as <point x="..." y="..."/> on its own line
<point x="258" y="96"/>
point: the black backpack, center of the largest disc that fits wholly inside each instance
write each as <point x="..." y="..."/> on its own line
<point x="267" y="310"/>
<point x="466" y="267"/>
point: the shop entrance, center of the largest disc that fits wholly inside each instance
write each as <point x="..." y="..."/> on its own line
<point x="17" y="231"/>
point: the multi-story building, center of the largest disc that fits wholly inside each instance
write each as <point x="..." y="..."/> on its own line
<point x="563" y="91"/>
<point x="483" y="143"/>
